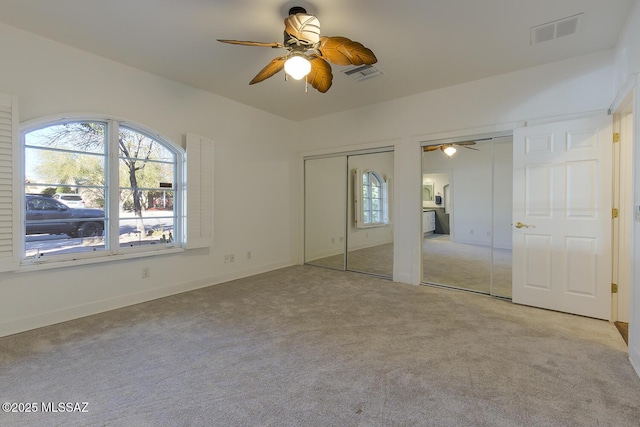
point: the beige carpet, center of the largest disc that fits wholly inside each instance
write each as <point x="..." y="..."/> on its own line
<point x="470" y="267"/>
<point x="308" y="346"/>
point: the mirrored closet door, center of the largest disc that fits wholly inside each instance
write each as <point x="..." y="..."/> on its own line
<point x="466" y="214"/>
<point x="370" y="227"/>
<point x="325" y="212"/>
<point x="348" y="215"/>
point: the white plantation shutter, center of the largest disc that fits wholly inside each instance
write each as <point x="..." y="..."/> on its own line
<point x="199" y="192"/>
<point x="9" y="169"/>
<point x="357" y="198"/>
<point x="387" y="201"/>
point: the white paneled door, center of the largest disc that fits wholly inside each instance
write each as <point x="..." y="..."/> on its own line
<point x="562" y="216"/>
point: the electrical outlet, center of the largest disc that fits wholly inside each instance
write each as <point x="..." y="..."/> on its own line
<point x="232" y="258"/>
<point x="226" y="258"/>
<point x="146" y="272"/>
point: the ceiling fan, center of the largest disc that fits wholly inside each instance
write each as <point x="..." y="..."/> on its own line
<point x="308" y="52"/>
<point x="450" y="149"/>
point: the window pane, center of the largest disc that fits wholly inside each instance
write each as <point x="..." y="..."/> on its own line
<point x="366" y="217"/>
<point x="376" y="216"/>
<point x="367" y="204"/>
<point x="53" y="228"/>
<point x="144" y="175"/>
<point x="83" y="136"/>
<point x="375" y="192"/>
<point x="136" y="145"/>
<point x="375" y="204"/>
<point x="365" y="179"/>
<point x="154" y="224"/>
<point x="64" y="189"/>
<point x="68" y="170"/>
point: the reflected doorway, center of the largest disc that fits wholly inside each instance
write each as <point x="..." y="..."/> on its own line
<point x="466" y="228"/>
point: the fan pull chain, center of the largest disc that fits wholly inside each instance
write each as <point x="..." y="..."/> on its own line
<point x="306" y="85"/>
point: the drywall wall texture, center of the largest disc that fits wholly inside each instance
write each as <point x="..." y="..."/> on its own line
<point x="627" y="59"/>
<point x="255" y="176"/>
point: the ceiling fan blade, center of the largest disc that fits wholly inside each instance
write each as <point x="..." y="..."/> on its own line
<point x="272" y="68"/>
<point x="467" y="147"/>
<point x="466" y="143"/>
<point x="431" y="148"/>
<point x="303" y="27"/>
<point x="248" y="43"/>
<point x="343" y="51"/>
<point x="320" y="76"/>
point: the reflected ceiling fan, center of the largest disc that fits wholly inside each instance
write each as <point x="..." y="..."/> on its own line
<point x="450" y="148"/>
<point x="308" y="52"/>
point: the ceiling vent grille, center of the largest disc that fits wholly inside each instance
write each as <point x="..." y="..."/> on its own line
<point x="556" y="29"/>
<point x="362" y="72"/>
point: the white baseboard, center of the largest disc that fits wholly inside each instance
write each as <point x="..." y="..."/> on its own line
<point x="70" y="313"/>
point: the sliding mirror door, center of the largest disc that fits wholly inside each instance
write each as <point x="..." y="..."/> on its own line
<point x="370" y="229"/>
<point x="502" y="210"/>
<point x="325" y="211"/>
<point x="466" y="218"/>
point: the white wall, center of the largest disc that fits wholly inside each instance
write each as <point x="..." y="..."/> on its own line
<point x="255" y="172"/>
<point x="574" y="86"/>
<point x="627" y="55"/>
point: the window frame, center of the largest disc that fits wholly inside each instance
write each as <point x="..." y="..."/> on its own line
<point x="371" y="177"/>
<point x="113" y="248"/>
<point x="359" y="199"/>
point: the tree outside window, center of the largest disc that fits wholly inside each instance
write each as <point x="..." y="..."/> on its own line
<point x="133" y="192"/>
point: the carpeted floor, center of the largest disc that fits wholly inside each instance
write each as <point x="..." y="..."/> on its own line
<point x="307" y="346"/>
<point x="471" y="267"/>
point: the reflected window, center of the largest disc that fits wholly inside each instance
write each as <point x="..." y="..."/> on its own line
<point x="372" y="199"/>
<point x="98" y="187"/>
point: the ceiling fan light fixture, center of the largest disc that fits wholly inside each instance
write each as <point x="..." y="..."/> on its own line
<point x="449" y="150"/>
<point x="297" y="66"/>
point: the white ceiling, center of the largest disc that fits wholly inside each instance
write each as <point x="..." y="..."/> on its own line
<point x="421" y="45"/>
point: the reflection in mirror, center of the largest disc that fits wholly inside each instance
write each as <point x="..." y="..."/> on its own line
<point x="502" y="210"/>
<point x="427" y="192"/>
<point x="325" y="210"/>
<point x="370" y="228"/>
<point x="466" y="228"/>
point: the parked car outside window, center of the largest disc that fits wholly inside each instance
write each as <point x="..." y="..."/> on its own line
<point x="45" y="215"/>
<point x="71" y="200"/>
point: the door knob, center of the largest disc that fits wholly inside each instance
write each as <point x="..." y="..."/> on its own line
<point x="521" y="225"/>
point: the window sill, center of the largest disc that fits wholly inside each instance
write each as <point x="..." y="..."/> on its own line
<point x="48" y="265"/>
<point x="377" y="224"/>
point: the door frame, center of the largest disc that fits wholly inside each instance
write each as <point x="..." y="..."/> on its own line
<point x="622" y="226"/>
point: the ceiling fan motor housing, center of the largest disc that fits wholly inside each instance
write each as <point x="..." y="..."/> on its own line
<point x="297" y="9"/>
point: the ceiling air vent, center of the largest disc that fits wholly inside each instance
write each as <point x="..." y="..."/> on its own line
<point x="362" y="72"/>
<point x="553" y="30"/>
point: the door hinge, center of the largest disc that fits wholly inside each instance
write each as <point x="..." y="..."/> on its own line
<point x="614" y="213"/>
<point x="616" y="137"/>
<point x="614" y="288"/>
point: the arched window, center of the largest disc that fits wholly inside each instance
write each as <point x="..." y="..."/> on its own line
<point x="97" y="187"/>
<point x="372" y="199"/>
